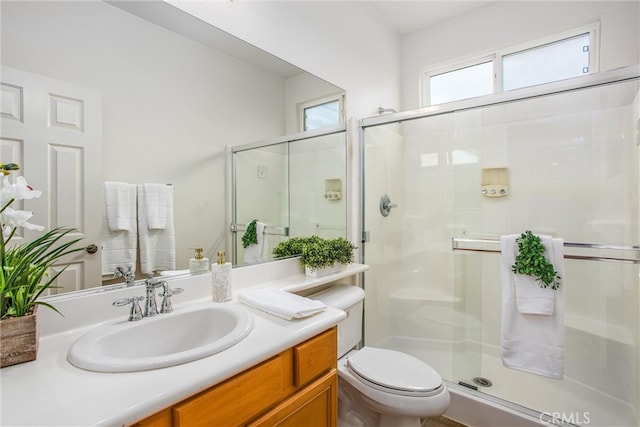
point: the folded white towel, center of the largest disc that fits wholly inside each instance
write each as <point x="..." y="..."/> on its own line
<point x="532" y="342"/>
<point x="280" y="303"/>
<point x="157" y="246"/>
<point x="156" y="200"/>
<point x="120" y="247"/>
<point x="256" y="252"/>
<point x="118" y="206"/>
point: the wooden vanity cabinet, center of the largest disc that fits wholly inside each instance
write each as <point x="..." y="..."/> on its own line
<point x="298" y="387"/>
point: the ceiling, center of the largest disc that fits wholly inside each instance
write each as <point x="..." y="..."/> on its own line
<point x="403" y="17"/>
<point x="408" y="16"/>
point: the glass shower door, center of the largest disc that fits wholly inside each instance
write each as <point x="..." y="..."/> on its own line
<point x="572" y="164"/>
<point x="414" y="302"/>
<point x="261" y="191"/>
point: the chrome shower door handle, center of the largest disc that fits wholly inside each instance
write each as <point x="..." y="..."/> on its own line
<point x="386" y="205"/>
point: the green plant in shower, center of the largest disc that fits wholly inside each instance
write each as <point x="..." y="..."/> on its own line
<point x="250" y="236"/>
<point x="531" y="261"/>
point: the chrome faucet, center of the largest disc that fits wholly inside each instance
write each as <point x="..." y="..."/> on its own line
<point x="151" y="306"/>
<point x="129" y="276"/>
<point x="166" y="295"/>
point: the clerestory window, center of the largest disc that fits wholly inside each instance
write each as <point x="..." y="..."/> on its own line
<point x="555" y="58"/>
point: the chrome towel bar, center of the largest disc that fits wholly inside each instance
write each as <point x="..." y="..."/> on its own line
<point x="478" y="245"/>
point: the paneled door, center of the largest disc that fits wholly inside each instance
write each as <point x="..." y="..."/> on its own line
<point x="53" y="130"/>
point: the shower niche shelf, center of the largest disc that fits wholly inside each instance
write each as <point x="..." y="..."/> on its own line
<point x="495" y="182"/>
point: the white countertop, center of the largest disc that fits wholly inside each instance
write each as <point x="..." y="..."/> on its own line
<point x="51" y="392"/>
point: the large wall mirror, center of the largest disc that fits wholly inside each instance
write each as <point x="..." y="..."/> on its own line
<point x="170" y="94"/>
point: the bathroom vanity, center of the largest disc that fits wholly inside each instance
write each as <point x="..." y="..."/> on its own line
<point x="281" y="372"/>
<point x="296" y="387"/>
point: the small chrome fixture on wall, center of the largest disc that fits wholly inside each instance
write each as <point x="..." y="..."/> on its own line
<point x="386" y="205"/>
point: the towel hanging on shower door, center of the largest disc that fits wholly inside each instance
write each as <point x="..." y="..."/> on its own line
<point x="532" y="342"/>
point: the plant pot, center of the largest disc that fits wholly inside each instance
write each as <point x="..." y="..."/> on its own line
<point x="18" y="339"/>
<point x="324" y="271"/>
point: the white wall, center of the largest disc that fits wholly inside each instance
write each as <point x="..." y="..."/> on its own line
<point x="170" y="105"/>
<point x="507" y="23"/>
<point x="336" y="41"/>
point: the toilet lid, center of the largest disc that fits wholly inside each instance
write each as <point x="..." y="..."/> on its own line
<point x="394" y="370"/>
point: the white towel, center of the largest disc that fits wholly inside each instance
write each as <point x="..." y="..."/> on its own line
<point x="120" y="247"/>
<point x="157" y="246"/>
<point x="530" y="297"/>
<point x="280" y="303"/>
<point x="156" y="200"/>
<point x="532" y="342"/>
<point x="256" y="252"/>
<point x="119" y="206"/>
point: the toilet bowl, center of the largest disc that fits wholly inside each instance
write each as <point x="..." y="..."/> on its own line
<point x="379" y="386"/>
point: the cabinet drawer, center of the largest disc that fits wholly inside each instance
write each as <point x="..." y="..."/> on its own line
<point x="237" y="399"/>
<point x="315" y="357"/>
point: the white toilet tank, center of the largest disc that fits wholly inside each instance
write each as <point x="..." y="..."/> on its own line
<point x="350" y="299"/>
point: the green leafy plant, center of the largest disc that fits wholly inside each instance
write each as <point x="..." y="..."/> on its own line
<point x="250" y="236"/>
<point x="25" y="267"/>
<point x="531" y="261"/>
<point x="316" y="252"/>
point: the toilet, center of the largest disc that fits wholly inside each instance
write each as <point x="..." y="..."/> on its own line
<point x="379" y="387"/>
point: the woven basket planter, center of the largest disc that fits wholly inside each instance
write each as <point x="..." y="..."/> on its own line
<point x="18" y="339"/>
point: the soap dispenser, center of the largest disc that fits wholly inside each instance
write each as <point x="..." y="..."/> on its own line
<point x="198" y="263"/>
<point x="221" y="279"/>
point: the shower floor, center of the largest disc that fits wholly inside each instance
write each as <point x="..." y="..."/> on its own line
<point x="577" y="403"/>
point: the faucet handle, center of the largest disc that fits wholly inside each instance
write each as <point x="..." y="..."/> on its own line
<point x="167" y="293"/>
<point x="136" y="310"/>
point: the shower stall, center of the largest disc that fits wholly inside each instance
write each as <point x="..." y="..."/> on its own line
<point x="294" y="184"/>
<point x="561" y="160"/>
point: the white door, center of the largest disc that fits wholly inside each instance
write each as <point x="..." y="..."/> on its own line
<point x="53" y="130"/>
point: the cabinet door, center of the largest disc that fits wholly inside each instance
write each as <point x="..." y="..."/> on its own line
<point x="315" y="356"/>
<point x="236" y="400"/>
<point x="314" y="406"/>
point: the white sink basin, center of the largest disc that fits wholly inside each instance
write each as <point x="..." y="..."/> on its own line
<point x="189" y="333"/>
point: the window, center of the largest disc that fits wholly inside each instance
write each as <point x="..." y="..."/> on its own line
<point x="559" y="57"/>
<point x="322" y="113"/>
<point x="463" y="83"/>
<point x="560" y="60"/>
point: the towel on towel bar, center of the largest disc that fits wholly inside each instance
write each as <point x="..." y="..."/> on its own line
<point x="281" y="303"/>
<point x="157" y="246"/>
<point x="532" y="342"/>
<point x="120" y="207"/>
<point x="257" y="252"/>
<point x="119" y="247"/>
<point x="156" y="202"/>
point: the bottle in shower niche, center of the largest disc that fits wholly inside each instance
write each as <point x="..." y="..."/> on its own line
<point x="221" y="279"/>
<point x="198" y="263"/>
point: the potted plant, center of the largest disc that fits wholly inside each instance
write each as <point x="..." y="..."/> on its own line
<point x="318" y="256"/>
<point x="24" y="271"/>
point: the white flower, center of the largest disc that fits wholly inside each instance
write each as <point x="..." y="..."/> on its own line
<point x="20" y="190"/>
<point x="10" y="218"/>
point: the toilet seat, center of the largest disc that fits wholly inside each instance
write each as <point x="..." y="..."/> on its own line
<point x="394" y="372"/>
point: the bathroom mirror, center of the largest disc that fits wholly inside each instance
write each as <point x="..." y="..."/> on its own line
<point x="175" y="92"/>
